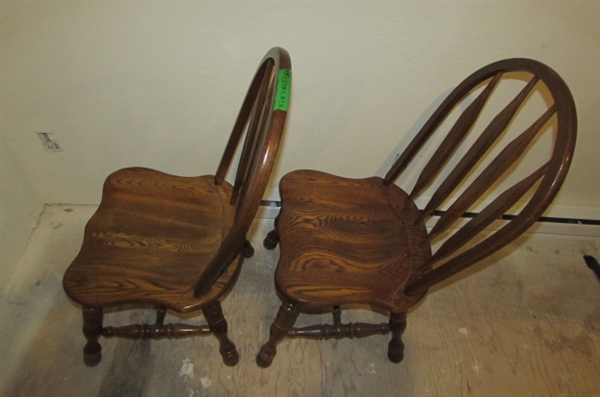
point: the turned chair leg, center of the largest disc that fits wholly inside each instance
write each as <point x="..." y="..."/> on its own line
<point x="92" y="329"/>
<point x="396" y="346"/>
<point x="272" y="238"/>
<point x="286" y="317"/>
<point x="218" y="326"/>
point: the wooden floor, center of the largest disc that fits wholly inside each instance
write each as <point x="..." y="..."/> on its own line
<point x="528" y="326"/>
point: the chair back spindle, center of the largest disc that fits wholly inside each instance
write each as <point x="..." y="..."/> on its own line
<point x="473" y="179"/>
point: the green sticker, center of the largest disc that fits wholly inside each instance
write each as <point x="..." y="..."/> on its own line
<point x="284" y="85"/>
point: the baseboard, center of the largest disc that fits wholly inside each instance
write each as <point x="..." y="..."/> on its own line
<point x="268" y="209"/>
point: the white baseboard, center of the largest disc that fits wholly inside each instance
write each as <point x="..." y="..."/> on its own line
<point x="267" y="212"/>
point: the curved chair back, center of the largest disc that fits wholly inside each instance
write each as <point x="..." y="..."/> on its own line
<point x="262" y="119"/>
<point x="459" y="175"/>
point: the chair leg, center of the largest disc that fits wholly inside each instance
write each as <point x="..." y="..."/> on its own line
<point x="286" y="317"/>
<point x="272" y="238"/>
<point x="396" y="346"/>
<point x="248" y="250"/>
<point x="92" y="329"/>
<point x="218" y="326"/>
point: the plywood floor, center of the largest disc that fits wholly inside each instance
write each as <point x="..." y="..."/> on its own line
<point x="528" y="326"/>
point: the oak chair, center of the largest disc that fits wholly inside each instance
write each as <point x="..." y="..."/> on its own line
<point x="347" y="242"/>
<point x="177" y="243"/>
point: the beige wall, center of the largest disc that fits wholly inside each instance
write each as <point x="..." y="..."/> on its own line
<point x="158" y="84"/>
<point x="19" y="209"/>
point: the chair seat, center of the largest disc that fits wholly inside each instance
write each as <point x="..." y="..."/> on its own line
<point x="150" y="239"/>
<point x="336" y="233"/>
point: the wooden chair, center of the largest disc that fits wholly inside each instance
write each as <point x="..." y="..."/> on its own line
<point x="365" y="242"/>
<point x="177" y="243"/>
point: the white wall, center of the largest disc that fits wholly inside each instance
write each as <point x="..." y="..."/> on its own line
<point x="19" y="210"/>
<point x="158" y="84"/>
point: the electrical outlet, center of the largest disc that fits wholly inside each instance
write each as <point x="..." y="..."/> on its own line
<point x="50" y="143"/>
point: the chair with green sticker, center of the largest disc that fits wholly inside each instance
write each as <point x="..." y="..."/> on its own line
<point x="499" y="146"/>
<point x="177" y="243"/>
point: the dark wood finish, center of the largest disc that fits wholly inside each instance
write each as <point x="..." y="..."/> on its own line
<point x="156" y="331"/>
<point x="178" y="242"/>
<point x="339" y="331"/>
<point x="363" y="241"/>
<point x="396" y="346"/>
<point x="286" y="316"/>
<point x="218" y="326"/>
<point x="271" y="240"/>
<point x="92" y="329"/>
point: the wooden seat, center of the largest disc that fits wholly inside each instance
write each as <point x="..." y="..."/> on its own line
<point x="177" y="243"/>
<point x="350" y="241"/>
